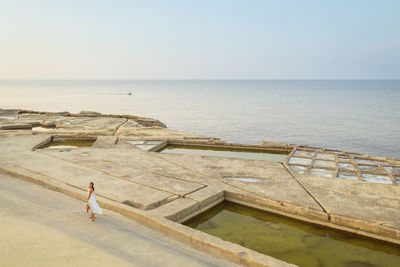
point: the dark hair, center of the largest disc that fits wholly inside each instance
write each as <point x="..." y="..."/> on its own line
<point x="92" y="185"/>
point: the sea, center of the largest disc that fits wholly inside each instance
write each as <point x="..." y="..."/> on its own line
<point x="352" y="115"/>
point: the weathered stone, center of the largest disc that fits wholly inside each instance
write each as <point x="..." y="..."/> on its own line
<point x="276" y="145"/>
<point x="105" y="142"/>
<point x="89" y="113"/>
<point x="50" y="124"/>
<point x="16" y="126"/>
<point x="149" y="186"/>
<point x="151" y="122"/>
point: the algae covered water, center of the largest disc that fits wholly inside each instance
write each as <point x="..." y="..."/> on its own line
<point x="292" y="241"/>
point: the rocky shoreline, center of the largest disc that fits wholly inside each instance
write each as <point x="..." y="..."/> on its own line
<point x="346" y="191"/>
<point x="148" y="122"/>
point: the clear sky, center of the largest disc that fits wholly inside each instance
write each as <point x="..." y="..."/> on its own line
<point x="232" y="39"/>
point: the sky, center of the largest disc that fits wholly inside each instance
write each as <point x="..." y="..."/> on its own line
<point x="219" y="39"/>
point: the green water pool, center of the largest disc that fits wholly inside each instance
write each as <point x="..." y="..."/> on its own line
<point x="291" y="240"/>
<point x="68" y="144"/>
<point x="225" y="152"/>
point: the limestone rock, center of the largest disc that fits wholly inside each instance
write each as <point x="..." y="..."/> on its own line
<point x="147" y="122"/>
<point x="89" y="113"/>
<point x="16" y="126"/>
<point x="275" y="145"/>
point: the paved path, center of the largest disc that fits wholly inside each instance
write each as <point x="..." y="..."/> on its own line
<point x="40" y="227"/>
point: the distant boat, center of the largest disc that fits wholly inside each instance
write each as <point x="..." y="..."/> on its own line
<point x="129" y="93"/>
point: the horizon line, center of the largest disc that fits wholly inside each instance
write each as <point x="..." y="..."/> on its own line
<point x="204" y="79"/>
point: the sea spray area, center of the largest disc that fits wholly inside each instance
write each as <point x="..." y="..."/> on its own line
<point x="125" y="155"/>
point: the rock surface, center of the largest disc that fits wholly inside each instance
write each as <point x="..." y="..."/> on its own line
<point x="47" y="228"/>
<point x="162" y="189"/>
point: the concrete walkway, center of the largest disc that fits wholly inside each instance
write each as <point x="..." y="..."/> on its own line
<point x="40" y="227"/>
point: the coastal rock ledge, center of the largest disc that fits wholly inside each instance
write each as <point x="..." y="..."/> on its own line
<point x="135" y="173"/>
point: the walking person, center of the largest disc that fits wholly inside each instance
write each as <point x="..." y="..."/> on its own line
<point x="91" y="203"/>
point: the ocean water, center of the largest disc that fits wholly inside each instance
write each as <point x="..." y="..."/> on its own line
<point x="353" y="115"/>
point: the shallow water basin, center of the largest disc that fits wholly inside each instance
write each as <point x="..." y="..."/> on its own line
<point x="153" y="142"/>
<point x="298" y="169"/>
<point x="348" y="176"/>
<point x="292" y="241"/>
<point x="393" y="169"/>
<point x="245" y="179"/>
<point x="370" y="162"/>
<point x="344" y="158"/>
<point x="294" y="160"/>
<point x="42" y="129"/>
<point x="135" y="142"/>
<point x="369" y="168"/>
<point x="145" y="147"/>
<point x="397" y="179"/>
<point x="321" y="173"/>
<point x="346" y="166"/>
<point x="325" y="156"/>
<point x="380" y="179"/>
<point x="324" y="163"/>
<point x="225" y="152"/>
<point x="68" y="144"/>
<point x="303" y="153"/>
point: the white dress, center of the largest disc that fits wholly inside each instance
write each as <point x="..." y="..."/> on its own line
<point x="94" y="207"/>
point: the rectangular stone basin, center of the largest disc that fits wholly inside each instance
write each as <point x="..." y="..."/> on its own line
<point x="68" y="144"/>
<point x="225" y="152"/>
<point x="348" y="175"/>
<point x="321" y="172"/>
<point x="291" y="240"/>
<point x="393" y="169"/>
<point x="397" y="179"/>
<point x="143" y="144"/>
<point x="380" y="179"/>
<point x="346" y="166"/>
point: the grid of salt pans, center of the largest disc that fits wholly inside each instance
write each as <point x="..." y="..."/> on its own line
<point x="339" y="164"/>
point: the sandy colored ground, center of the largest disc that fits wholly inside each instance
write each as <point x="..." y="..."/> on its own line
<point x="161" y="190"/>
<point x="40" y="227"/>
<point x="32" y="244"/>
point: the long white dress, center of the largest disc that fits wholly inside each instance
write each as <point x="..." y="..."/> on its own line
<point x="94" y="207"/>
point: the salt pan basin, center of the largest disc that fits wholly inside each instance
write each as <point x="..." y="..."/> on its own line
<point x="68" y="144"/>
<point x="292" y="241"/>
<point x="226" y="153"/>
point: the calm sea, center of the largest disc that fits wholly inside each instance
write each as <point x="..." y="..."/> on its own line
<point x="357" y="115"/>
